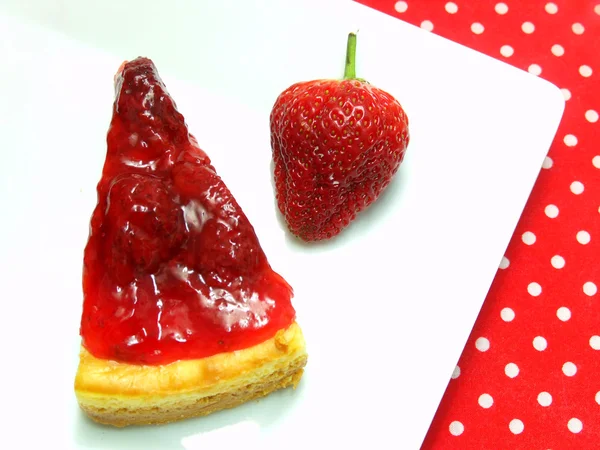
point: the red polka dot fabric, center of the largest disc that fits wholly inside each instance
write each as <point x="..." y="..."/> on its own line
<point x="529" y="376"/>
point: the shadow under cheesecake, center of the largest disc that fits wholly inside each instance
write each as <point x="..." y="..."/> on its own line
<point x="248" y="422"/>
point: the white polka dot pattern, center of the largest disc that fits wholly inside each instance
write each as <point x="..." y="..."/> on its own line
<point x="534" y="69"/>
<point x="501" y="8"/>
<point x="551" y="211"/>
<point x="569" y="369"/>
<point x="516" y="426"/>
<point x="591" y="116"/>
<point x="577" y="28"/>
<point x="563" y="313"/>
<point x="534" y="289"/>
<point x="456" y="373"/>
<point x="457" y="428"/>
<point x="557" y="50"/>
<point x="507" y="314"/>
<point x="540" y="343"/>
<point x="577" y="187"/>
<point x="589" y="288"/>
<point x="585" y="71"/>
<point x="511" y="370"/>
<point x="477" y="28"/>
<point x="551" y="8"/>
<point x="570" y="140"/>
<point x="575" y="425"/>
<point x="507" y="51"/>
<point x="528" y="238"/>
<point x="544" y="399"/>
<point x="558" y="262"/>
<point x="528" y="27"/>
<point x="485" y="401"/>
<point x="482" y="344"/>
<point x="583" y="237"/>
<point x="427" y="25"/>
<point x="401" y="7"/>
<point x="451" y="8"/>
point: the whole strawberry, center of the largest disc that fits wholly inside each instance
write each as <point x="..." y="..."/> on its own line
<point x="336" y="146"/>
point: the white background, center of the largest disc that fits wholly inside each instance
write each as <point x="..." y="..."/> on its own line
<point x="386" y="308"/>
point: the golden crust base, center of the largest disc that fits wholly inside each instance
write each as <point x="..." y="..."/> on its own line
<point x="120" y="394"/>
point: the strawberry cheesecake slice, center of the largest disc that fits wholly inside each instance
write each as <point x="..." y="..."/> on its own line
<point x="182" y="313"/>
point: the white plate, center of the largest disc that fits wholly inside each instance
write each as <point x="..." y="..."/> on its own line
<point x="386" y="308"/>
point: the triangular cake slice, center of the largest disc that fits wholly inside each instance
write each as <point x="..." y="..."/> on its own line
<point x="182" y="313"/>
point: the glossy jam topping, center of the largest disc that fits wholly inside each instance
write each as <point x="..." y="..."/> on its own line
<point x="172" y="268"/>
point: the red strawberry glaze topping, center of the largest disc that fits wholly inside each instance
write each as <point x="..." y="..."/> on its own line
<point x="173" y="268"/>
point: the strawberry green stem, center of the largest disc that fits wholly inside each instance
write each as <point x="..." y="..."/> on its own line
<point x="350" y="69"/>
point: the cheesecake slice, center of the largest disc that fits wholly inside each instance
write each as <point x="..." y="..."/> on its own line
<point x="182" y="313"/>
